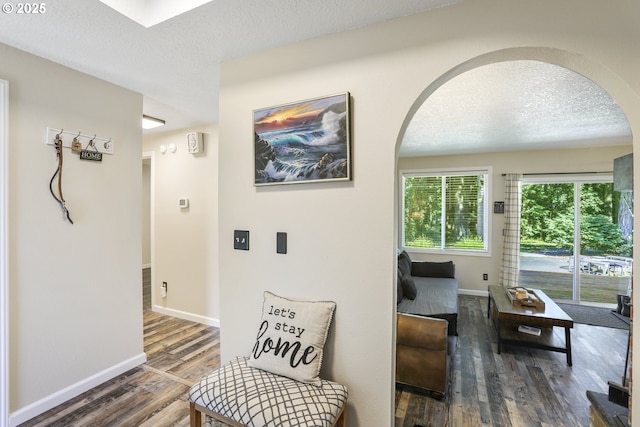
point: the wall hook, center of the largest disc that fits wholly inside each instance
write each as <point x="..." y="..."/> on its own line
<point x="76" y="145"/>
<point x="77" y="141"/>
<point x="92" y="144"/>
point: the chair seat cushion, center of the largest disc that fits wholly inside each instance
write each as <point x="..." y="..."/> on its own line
<point x="256" y="398"/>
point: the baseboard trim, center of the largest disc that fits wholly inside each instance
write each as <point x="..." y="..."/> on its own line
<point x="473" y="292"/>
<point x="187" y="316"/>
<point x="43" y="405"/>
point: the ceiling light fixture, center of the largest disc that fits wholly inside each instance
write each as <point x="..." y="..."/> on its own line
<point x="149" y="122"/>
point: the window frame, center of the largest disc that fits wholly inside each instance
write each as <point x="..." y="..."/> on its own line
<point x="487" y="171"/>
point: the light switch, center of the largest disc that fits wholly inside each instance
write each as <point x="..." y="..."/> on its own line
<point x="281" y="243"/>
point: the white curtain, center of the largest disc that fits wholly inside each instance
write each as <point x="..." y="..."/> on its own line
<point x="510" y="268"/>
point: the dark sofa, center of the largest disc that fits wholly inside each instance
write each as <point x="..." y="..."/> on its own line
<point x="427" y="315"/>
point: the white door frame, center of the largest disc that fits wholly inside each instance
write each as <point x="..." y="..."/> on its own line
<point x="149" y="155"/>
<point x="4" y="252"/>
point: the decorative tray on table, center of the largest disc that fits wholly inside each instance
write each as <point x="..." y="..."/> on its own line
<point x="524" y="297"/>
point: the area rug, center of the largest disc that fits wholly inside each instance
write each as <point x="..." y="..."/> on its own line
<point x="596" y="316"/>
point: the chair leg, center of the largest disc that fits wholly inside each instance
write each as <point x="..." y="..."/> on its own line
<point x="342" y="419"/>
<point x="195" y="416"/>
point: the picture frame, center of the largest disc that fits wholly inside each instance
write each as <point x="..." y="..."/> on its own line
<point x="303" y="142"/>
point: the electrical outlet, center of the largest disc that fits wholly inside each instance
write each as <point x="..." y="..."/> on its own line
<point x="241" y="240"/>
<point x="163" y="289"/>
<point x="485" y="276"/>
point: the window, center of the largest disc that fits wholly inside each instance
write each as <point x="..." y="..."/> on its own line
<point x="445" y="210"/>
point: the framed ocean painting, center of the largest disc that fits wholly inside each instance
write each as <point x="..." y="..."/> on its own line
<point x="302" y="142"/>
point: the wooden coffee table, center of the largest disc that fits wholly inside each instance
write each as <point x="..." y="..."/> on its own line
<point x="507" y="317"/>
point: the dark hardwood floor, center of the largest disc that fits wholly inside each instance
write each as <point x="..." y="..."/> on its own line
<point x="179" y="353"/>
<point x="519" y="387"/>
<point x="146" y="288"/>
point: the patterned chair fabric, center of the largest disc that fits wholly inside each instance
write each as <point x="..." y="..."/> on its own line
<point x="257" y="398"/>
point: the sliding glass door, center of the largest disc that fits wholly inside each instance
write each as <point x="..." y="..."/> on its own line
<point x="574" y="244"/>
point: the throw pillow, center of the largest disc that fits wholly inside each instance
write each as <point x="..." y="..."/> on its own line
<point x="409" y="287"/>
<point x="433" y="269"/>
<point x="291" y="337"/>
<point x="404" y="276"/>
<point x="404" y="263"/>
<point x="399" y="287"/>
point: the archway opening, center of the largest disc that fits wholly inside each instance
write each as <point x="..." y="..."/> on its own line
<point x="504" y="106"/>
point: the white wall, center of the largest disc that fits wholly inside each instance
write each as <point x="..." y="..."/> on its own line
<point x="469" y="269"/>
<point x="342" y="236"/>
<point x="75" y="290"/>
<point x="185" y="240"/>
<point x="4" y="251"/>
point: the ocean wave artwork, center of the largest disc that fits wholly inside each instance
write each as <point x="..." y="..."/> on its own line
<point x="306" y="141"/>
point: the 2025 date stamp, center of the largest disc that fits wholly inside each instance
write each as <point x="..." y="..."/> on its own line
<point x="24" y="8"/>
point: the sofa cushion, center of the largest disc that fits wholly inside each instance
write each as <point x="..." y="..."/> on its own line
<point x="437" y="297"/>
<point x="291" y="337"/>
<point x="433" y="269"/>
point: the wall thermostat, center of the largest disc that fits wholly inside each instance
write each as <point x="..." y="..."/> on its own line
<point x="184" y="203"/>
<point x="194" y="143"/>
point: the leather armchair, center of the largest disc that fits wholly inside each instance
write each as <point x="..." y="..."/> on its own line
<point x="422" y="352"/>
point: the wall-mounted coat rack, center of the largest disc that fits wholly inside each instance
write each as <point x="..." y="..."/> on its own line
<point x="100" y="144"/>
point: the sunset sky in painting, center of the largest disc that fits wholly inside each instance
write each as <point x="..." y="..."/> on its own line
<point x="291" y="115"/>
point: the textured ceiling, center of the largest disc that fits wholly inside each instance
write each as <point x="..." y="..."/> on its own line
<point x="175" y="64"/>
<point x="512" y="106"/>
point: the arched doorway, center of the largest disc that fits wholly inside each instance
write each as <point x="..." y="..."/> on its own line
<point x="564" y="62"/>
<point x="524" y="106"/>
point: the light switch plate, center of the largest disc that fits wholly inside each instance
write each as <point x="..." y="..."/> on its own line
<point x="241" y="240"/>
<point x="281" y="243"/>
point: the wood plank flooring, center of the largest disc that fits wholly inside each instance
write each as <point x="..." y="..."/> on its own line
<point x="146" y="288"/>
<point x="179" y="353"/>
<point x="518" y="388"/>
